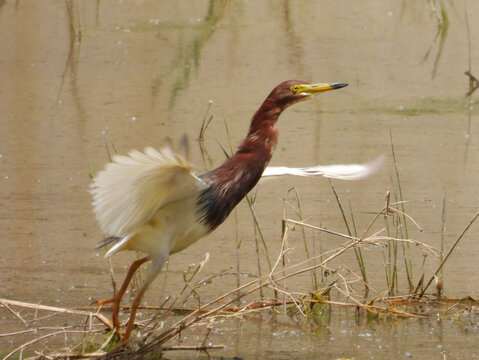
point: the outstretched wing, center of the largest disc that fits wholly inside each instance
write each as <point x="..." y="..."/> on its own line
<point x="132" y="188"/>
<point x="343" y="172"/>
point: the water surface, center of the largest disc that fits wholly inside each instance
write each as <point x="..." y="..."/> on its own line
<point x="75" y="73"/>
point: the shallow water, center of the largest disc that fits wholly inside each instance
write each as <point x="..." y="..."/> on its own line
<point x="71" y="72"/>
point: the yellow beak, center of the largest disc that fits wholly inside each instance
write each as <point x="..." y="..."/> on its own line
<point x="315" y="88"/>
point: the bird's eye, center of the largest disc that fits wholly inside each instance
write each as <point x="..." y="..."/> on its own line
<point x="296" y="88"/>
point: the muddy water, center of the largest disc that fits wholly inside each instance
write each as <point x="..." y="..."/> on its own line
<point x="73" y="74"/>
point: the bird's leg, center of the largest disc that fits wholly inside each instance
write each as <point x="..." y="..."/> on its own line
<point x="134" y="308"/>
<point x="133" y="267"/>
<point x="156" y="266"/>
<point x="116" y="299"/>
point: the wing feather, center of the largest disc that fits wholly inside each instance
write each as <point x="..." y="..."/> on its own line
<point x="343" y="172"/>
<point x="132" y="188"/>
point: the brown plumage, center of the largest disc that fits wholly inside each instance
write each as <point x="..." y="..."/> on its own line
<point x="229" y="183"/>
<point x="154" y="203"/>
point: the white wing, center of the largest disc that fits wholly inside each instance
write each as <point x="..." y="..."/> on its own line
<point x="132" y="188"/>
<point x="343" y="172"/>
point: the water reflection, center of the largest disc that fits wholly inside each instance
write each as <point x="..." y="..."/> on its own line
<point x="73" y="9"/>
<point x="441" y="34"/>
<point x="187" y="59"/>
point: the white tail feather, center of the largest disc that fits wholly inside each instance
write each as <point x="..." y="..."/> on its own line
<point x="343" y="172"/>
<point x="132" y="188"/>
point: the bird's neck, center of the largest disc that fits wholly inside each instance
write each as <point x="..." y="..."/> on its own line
<point x="255" y="150"/>
<point x="230" y="182"/>
<point x="257" y="147"/>
<point x="266" y="116"/>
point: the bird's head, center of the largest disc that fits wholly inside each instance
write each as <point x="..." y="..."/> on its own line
<point x="292" y="91"/>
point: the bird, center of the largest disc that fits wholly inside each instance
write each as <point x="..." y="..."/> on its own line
<point x="154" y="202"/>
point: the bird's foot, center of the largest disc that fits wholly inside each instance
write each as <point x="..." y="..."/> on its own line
<point x="115" y="310"/>
<point x="107" y="301"/>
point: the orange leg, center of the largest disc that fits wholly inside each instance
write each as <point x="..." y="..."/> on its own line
<point x="116" y="299"/>
<point x="156" y="266"/>
<point x="134" y="308"/>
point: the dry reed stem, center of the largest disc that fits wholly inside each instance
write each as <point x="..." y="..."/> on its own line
<point x="263" y="281"/>
<point x="43" y="337"/>
<point x="100" y="317"/>
<point x="67" y="356"/>
<point x="384" y="310"/>
<point x="194" y="348"/>
<point x="400" y="301"/>
<point x="449" y="253"/>
<point x="374" y="309"/>
<point x="56" y="331"/>
<point x="221" y="306"/>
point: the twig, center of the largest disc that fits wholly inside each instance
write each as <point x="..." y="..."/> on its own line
<point x="321" y="229"/>
<point x="99" y="316"/>
<point x="33" y="341"/>
<point x="449" y="253"/>
<point x="194" y="348"/>
<point x="473" y="83"/>
<point x="4" y="303"/>
<point x="73" y="356"/>
<point x="35" y="330"/>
